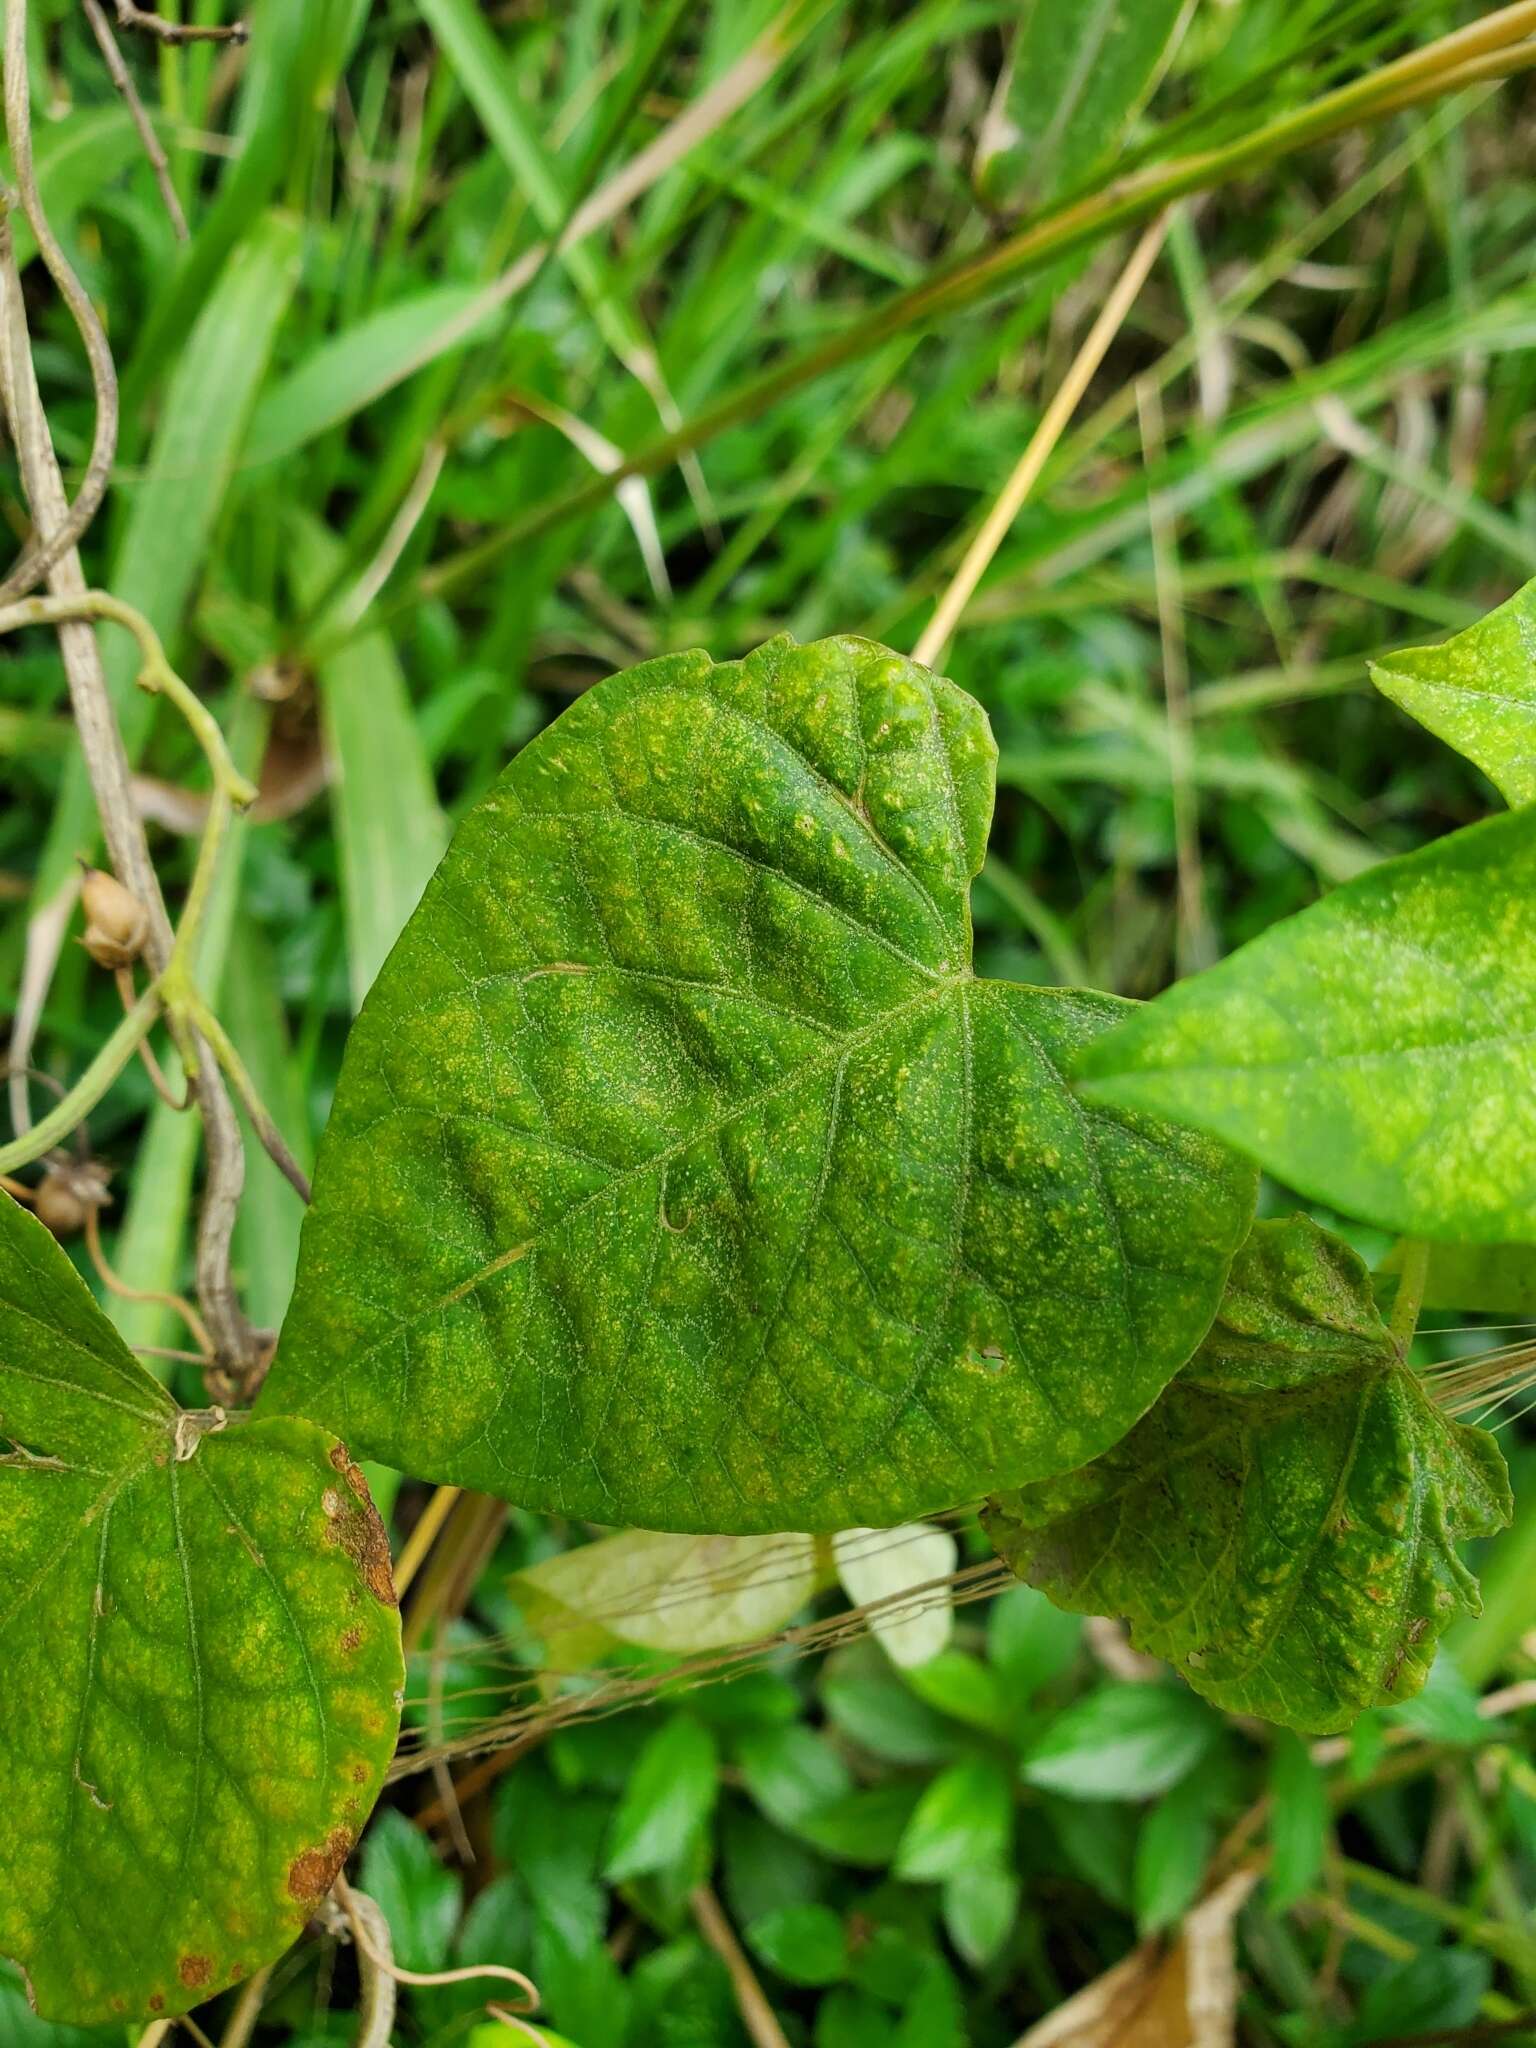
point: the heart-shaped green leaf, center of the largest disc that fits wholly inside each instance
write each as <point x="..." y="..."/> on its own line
<point x="682" y="1174"/>
<point x="1282" y="1526"/>
<point x="1477" y="692"/>
<point x="1378" y="1051"/>
<point x="200" y="1688"/>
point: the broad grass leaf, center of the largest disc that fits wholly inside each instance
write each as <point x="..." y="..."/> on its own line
<point x="199" y="1694"/>
<point x="1477" y="692"/>
<point x="1283" y="1525"/>
<point x="681" y="1173"/>
<point x="1491" y="1278"/>
<point x="1377" y="1051"/>
<point x="390" y="831"/>
<point x="349" y="370"/>
<point x="1078" y="73"/>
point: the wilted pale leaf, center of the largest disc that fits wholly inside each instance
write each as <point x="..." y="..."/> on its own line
<point x="1378" y="1051"/>
<point x="681" y="1172"/>
<point x="880" y="1565"/>
<point x="200" y="1687"/>
<point x="1283" y="1525"/>
<point x="1179" y="1994"/>
<point x="1477" y="692"/>
<point x="676" y="1593"/>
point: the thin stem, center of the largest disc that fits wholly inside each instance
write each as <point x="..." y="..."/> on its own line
<point x="55" y="1127"/>
<point x="109" y="1279"/>
<point x="1509" y="1944"/>
<point x="44" y="943"/>
<point x="140" y="18"/>
<point x="152" y="1066"/>
<point x="1410" y="1292"/>
<point x="936" y="635"/>
<point x="241" y="2023"/>
<point x="178" y="986"/>
<point x="56" y="532"/>
<point x="272" y="1140"/>
<point x="230" y="787"/>
<point x="107" y="765"/>
<point x="122" y="78"/>
<point x="1194" y="945"/>
<point x="365" y="1933"/>
<point x="757" y="2015"/>
<point x="155" y="672"/>
<point x="423" y="1536"/>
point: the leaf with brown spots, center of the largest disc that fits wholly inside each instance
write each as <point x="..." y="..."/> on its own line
<point x="1283" y="1525"/>
<point x="682" y="1171"/>
<point x="180" y="1717"/>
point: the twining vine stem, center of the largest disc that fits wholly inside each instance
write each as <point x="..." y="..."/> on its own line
<point x="239" y="1349"/>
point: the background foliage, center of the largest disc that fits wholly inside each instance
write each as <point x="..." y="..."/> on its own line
<point x="344" y="437"/>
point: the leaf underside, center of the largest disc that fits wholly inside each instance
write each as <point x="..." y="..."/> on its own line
<point x="682" y="1174"/>
<point x="200" y="1688"/>
<point x="1377" y="1051"/>
<point x="1477" y="692"/>
<point x="1282" y="1526"/>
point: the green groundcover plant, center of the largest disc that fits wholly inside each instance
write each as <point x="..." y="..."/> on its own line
<point x="683" y="1174"/>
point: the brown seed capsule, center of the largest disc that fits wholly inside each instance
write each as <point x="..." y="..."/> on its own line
<point x="66" y="1194"/>
<point x="115" y="920"/>
<point x="57" y="1203"/>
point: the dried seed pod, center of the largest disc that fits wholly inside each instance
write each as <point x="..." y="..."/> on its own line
<point x="67" y="1193"/>
<point x="57" y="1204"/>
<point x="115" y="920"/>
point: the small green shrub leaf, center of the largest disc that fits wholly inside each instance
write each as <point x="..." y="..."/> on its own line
<point x="200" y="1688"/>
<point x="667" y="1800"/>
<point x="1282" y="1526"/>
<point x="1128" y="1741"/>
<point x="1299" y="1822"/>
<point x="965" y="1817"/>
<point x="981" y="1909"/>
<point x="805" y="1944"/>
<point x="682" y="1174"/>
<point x="1477" y="692"/>
<point x="421" y="1900"/>
<point x="1376" y="1052"/>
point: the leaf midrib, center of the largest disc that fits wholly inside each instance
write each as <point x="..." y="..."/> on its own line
<point x="836" y="1052"/>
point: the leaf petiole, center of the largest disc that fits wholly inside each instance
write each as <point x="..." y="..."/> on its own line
<point x="92" y="1085"/>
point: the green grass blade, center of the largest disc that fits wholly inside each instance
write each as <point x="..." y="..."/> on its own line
<point x="391" y="830"/>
